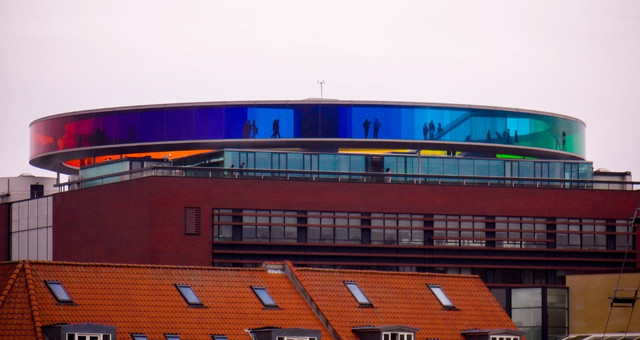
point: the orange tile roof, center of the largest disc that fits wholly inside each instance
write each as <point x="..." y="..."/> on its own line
<point x="404" y="299"/>
<point x="143" y="299"/>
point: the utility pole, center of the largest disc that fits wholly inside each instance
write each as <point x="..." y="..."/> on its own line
<point x="321" y="82"/>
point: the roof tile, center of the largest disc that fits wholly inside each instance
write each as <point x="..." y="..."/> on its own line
<point x="144" y="299"/>
<point x="404" y="299"/>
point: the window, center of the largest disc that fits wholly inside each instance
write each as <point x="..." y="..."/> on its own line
<point x="219" y="337"/>
<point x="191" y="221"/>
<point x="505" y="337"/>
<point x="264" y="296"/>
<point x="88" y="336"/>
<point x="37" y="190"/>
<point x="189" y="296"/>
<point x="139" y="337"/>
<point x="397" y="336"/>
<point x="172" y="337"/>
<point x="441" y="296"/>
<point x="59" y="292"/>
<point x="358" y="294"/>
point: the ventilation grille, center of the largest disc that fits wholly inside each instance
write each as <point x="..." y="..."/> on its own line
<point x="191" y="221"/>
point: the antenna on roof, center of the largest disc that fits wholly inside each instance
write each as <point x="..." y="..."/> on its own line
<point x="321" y="82"/>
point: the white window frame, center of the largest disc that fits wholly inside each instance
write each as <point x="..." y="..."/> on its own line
<point x="504" y="337"/>
<point x="398" y="336"/>
<point x="100" y="336"/>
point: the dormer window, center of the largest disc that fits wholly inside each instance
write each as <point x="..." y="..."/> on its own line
<point x="59" y="292"/>
<point x="398" y="332"/>
<point x="358" y="294"/>
<point x="441" y="296"/>
<point x="397" y="336"/>
<point x="189" y="295"/>
<point x="264" y="296"/>
<point x="272" y="333"/>
<point x="493" y="334"/>
<point x="79" y="331"/>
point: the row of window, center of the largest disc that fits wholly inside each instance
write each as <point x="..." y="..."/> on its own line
<point x="62" y="296"/>
<point x="186" y="291"/>
<point x="409" y="164"/>
<point x="364" y="301"/>
<point x="418" y="229"/>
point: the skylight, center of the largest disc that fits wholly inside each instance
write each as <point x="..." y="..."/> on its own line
<point x="59" y="292"/>
<point x="172" y="337"/>
<point x="441" y="296"/>
<point x="189" y="296"/>
<point x="264" y="296"/>
<point x="358" y="294"/>
<point x="218" y="337"/>
<point x="139" y="337"/>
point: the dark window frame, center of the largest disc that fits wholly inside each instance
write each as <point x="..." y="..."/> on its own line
<point x="366" y="302"/>
<point x="68" y="300"/>
<point x="257" y="290"/>
<point x="435" y="289"/>
<point x="180" y="287"/>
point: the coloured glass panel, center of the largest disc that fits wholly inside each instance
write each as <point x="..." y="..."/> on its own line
<point x="181" y="123"/>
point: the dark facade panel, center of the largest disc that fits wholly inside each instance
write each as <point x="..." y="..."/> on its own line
<point x="4" y="231"/>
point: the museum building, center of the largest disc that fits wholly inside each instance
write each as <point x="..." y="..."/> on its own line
<point x="505" y="194"/>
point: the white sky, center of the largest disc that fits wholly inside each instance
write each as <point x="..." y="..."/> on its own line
<point x="575" y="57"/>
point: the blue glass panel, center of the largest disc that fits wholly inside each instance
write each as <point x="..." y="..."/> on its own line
<point x="151" y="125"/>
<point x="357" y="163"/>
<point x="327" y="162"/>
<point x="179" y="123"/>
<point x="436" y="166"/>
<point x="263" y="160"/>
<point x="450" y="166"/>
<point x="235" y="119"/>
<point x="301" y="120"/>
<point x="294" y="161"/>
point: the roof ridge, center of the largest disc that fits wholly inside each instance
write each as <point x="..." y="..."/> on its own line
<point x="10" y="282"/>
<point x="382" y="272"/>
<point x="33" y="301"/>
<point x="292" y="275"/>
<point x="135" y="265"/>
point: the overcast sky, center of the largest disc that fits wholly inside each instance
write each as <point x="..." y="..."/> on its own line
<point x="579" y="58"/>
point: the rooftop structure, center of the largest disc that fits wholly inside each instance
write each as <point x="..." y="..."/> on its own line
<point x="68" y="141"/>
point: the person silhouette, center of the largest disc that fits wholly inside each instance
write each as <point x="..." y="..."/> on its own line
<point x="246" y="130"/>
<point x="432" y="130"/>
<point x="366" y="125"/>
<point x="376" y="128"/>
<point x="276" y="128"/>
<point x="254" y="129"/>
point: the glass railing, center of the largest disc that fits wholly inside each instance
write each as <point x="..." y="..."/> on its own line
<point x="344" y="176"/>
